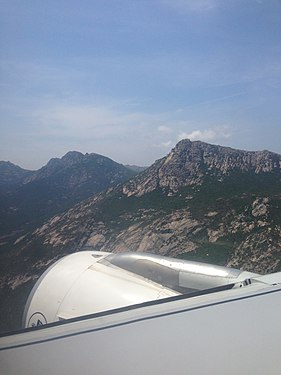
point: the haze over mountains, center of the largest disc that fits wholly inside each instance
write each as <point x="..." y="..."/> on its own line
<point x="200" y="202"/>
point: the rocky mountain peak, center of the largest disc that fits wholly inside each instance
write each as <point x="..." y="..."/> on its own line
<point x="190" y="163"/>
<point x="73" y="162"/>
<point x="72" y="157"/>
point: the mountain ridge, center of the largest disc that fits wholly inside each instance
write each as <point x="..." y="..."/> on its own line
<point x="34" y="196"/>
<point x="189" y="162"/>
<point x="11" y="174"/>
<point x="175" y="187"/>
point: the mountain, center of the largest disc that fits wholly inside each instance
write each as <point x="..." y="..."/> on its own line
<point x="11" y="174"/>
<point x="27" y="198"/>
<point x="194" y="163"/>
<point x="200" y="202"/>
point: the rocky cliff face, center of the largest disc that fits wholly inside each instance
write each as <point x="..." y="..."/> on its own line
<point x="242" y="231"/>
<point x="190" y="163"/>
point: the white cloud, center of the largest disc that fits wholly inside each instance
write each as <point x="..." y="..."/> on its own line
<point x="207" y="135"/>
<point x="162" y="145"/>
<point x="199" y="135"/>
<point x="164" y="129"/>
<point x="166" y="144"/>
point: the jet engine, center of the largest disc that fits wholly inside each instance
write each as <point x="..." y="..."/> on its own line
<point x="91" y="282"/>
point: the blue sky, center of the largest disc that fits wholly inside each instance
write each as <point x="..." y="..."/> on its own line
<point x="129" y="78"/>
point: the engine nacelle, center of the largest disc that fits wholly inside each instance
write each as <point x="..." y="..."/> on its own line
<point x="90" y="282"/>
